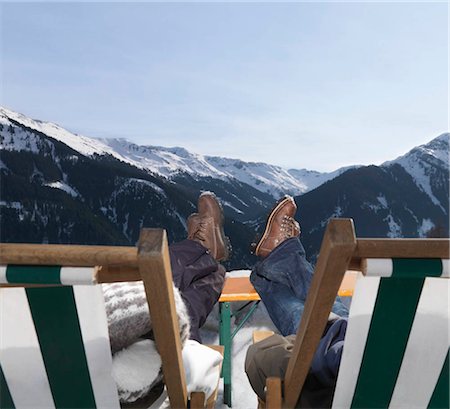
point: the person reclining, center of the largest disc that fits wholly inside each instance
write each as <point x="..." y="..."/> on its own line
<point x="282" y="279"/>
<point x="196" y="273"/>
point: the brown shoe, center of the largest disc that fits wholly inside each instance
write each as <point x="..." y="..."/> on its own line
<point x="280" y="226"/>
<point x="201" y="229"/>
<point x="207" y="226"/>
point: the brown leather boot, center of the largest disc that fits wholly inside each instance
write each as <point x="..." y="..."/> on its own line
<point x="207" y="226"/>
<point x="201" y="229"/>
<point x="280" y="226"/>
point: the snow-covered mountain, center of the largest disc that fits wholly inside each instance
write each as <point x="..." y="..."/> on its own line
<point x="405" y="197"/>
<point x="273" y="179"/>
<point x="59" y="187"/>
<point x="170" y="162"/>
<point x="424" y="163"/>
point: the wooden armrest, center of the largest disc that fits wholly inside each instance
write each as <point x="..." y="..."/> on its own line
<point x="260" y="335"/>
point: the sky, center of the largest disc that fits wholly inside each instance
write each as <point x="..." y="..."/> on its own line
<point x="315" y="85"/>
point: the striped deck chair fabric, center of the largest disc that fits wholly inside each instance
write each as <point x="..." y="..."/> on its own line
<point x="396" y="351"/>
<point x="54" y="344"/>
<point x="54" y="341"/>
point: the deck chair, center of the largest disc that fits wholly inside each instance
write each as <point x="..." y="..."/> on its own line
<point x="54" y="343"/>
<point x="396" y="351"/>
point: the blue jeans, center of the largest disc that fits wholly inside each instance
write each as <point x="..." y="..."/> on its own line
<point x="282" y="280"/>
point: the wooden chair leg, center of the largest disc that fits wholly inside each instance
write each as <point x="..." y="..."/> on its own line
<point x="197" y="400"/>
<point x="273" y="393"/>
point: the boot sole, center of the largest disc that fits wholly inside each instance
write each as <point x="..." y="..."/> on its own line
<point x="269" y="222"/>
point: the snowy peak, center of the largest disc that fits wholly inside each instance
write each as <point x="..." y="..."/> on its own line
<point x="18" y="133"/>
<point x="270" y="178"/>
<point x="267" y="178"/>
<point x="437" y="150"/>
<point x="162" y="161"/>
<point x="84" y="145"/>
<point x="423" y="163"/>
<point x="313" y="179"/>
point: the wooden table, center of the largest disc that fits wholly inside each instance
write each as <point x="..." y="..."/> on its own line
<point x="241" y="289"/>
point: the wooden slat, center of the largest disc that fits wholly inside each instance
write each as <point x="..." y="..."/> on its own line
<point x="114" y="274"/>
<point x="154" y="266"/>
<point x="238" y="289"/>
<point x="197" y="400"/>
<point x="218" y="348"/>
<point x="273" y="393"/>
<point x="260" y="335"/>
<point x="402" y="248"/>
<point x="67" y="255"/>
<point x="336" y="251"/>
<point x="355" y="264"/>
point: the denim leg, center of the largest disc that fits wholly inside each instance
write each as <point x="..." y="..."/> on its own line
<point x="287" y="266"/>
<point x="339" y="308"/>
<point x="283" y="306"/>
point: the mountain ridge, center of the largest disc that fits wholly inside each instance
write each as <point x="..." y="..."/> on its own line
<point x="168" y="162"/>
<point x="50" y="192"/>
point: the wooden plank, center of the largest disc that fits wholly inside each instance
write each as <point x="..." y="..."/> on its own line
<point x="402" y="248"/>
<point x="239" y="297"/>
<point x="154" y="266"/>
<point x="114" y="274"/>
<point x="67" y="255"/>
<point x="273" y="393"/>
<point x="197" y="400"/>
<point x="336" y="251"/>
<point x="218" y="348"/>
<point x="238" y="289"/>
<point x="260" y="335"/>
<point x="355" y="264"/>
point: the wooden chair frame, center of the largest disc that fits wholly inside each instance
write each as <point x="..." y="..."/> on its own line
<point x="340" y="251"/>
<point x="148" y="262"/>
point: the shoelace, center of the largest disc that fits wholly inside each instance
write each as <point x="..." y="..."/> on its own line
<point x="289" y="227"/>
<point x="200" y="232"/>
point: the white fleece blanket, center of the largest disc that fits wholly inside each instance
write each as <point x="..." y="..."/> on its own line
<point x="136" y="368"/>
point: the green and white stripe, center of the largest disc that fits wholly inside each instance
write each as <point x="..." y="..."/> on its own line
<point x="94" y="329"/>
<point x="418" y="268"/>
<point x="430" y="328"/>
<point x="59" y="355"/>
<point x="16" y="274"/>
<point x="20" y="357"/>
<point x="396" y="345"/>
<point x="363" y="301"/>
